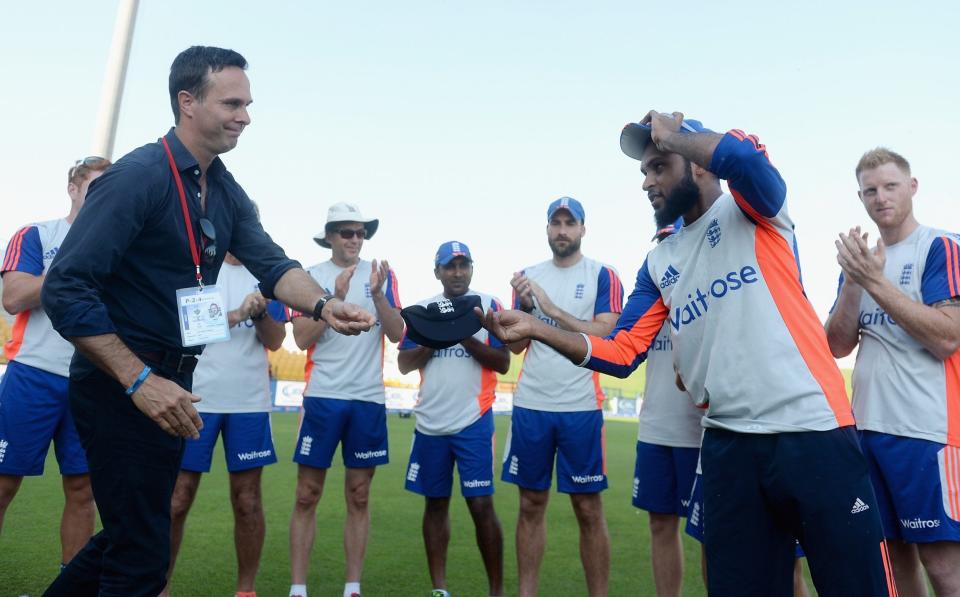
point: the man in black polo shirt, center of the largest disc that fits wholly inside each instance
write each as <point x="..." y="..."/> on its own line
<point x="128" y="290"/>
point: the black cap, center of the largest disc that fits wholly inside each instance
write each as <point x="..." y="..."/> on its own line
<point x="443" y="323"/>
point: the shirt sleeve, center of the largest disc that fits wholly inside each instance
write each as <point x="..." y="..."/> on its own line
<point x="492" y="340"/>
<point x="278" y="311"/>
<point x="25" y="252"/>
<point x="609" y="292"/>
<point x="839" y="289"/>
<point x="620" y="353"/>
<point x="251" y="244"/>
<point x="392" y="291"/>
<point x="754" y="182"/>
<point x="117" y="206"/>
<point x="405" y="342"/>
<point x="941" y="274"/>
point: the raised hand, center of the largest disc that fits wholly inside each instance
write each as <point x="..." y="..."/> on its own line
<point x="378" y="276"/>
<point x="521" y="285"/>
<point x="342" y="284"/>
<point x="662" y="125"/>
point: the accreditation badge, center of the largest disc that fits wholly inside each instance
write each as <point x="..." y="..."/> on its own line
<point x="203" y="316"/>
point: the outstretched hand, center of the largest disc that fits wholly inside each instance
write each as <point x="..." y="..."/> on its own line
<point x="508" y="326"/>
<point x="347" y="318"/>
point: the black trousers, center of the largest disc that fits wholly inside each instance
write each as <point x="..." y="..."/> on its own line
<point x="133" y="470"/>
<point x="763" y="492"/>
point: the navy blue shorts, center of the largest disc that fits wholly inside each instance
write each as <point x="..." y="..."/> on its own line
<point x="247" y="442"/>
<point x="577" y="440"/>
<point x="35" y="410"/>
<point x="762" y="492"/>
<point x="917" y="484"/>
<point x="361" y="427"/>
<point x="430" y="472"/>
<point x="663" y="478"/>
<point x="695" y="520"/>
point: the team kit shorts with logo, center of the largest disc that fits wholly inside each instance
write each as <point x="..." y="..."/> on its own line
<point x="247" y="442"/>
<point x="663" y="477"/>
<point x="432" y="457"/>
<point x="34" y="409"/>
<point x="577" y="440"/>
<point x="695" y="519"/>
<point x="327" y="422"/>
<point x="917" y="484"/>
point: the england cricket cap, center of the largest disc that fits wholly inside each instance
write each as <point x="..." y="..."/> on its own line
<point x="570" y="204"/>
<point x="635" y="137"/>
<point x="443" y="323"/>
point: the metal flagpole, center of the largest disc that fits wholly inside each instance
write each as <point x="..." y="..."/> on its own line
<point x="106" y="131"/>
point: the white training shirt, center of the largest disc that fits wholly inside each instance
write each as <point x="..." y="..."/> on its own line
<point x="548" y="380"/>
<point x="746" y="341"/>
<point x="234" y="376"/>
<point x="899" y="387"/>
<point x="34" y="342"/>
<point x="455" y="390"/>
<point x="668" y="417"/>
<point x="349" y="367"/>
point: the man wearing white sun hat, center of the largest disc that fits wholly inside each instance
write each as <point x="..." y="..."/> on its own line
<point x="344" y="398"/>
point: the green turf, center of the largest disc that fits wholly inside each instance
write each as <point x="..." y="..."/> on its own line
<point x="395" y="564"/>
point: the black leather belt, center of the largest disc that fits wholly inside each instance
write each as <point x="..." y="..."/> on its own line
<point x="171" y="361"/>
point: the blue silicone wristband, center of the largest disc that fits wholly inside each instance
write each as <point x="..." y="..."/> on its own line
<point x="139" y="381"/>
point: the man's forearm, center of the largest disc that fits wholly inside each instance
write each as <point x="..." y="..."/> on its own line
<point x="270" y="332"/>
<point x="412" y="359"/>
<point x="488" y="356"/>
<point x="111" y="355"/>
<point x="389" y="318"/>
<point x="297" y="289"/>
<point x="696" y="147"/>
<point x="21" y="291"/>
<point x="569" y="344"/>
<point x="843" y="325"/>
<point x="936" y="331"/>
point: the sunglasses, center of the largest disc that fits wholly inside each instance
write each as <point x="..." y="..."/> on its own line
<point x="348" y="233"/>
<point x="90" y="160"/>
<point x="209" y="234"/>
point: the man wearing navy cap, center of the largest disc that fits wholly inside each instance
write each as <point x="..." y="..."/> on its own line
<point x="780" y="455"/>
<point x="455" y="424"/>
<point x="556" y="407"/>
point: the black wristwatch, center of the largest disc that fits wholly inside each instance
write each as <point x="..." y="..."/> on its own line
<point x="318" y="308"/>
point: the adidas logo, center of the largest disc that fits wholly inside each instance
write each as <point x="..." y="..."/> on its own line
<point x="669" y="277"/>
<point x="859" y="506"/>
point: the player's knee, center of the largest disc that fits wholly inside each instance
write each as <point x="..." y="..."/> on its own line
<point x="77" y="491"/>
<point x="533" y="505"/>
<point x="247" y="504"/>
<point x="358" y="496"/>
<point x="308" y="495"/>
<point x="481" y="507"/>
<point x="8" y="489"/>
<point x="942" y="565"/>
<point x="664" y="524"/>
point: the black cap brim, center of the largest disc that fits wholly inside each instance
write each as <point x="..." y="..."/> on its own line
<point x="427" y="327"/>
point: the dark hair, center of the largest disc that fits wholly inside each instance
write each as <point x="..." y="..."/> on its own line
<point x="190" y="68"/>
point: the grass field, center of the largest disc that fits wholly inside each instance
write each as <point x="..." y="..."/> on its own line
<point x="395" y="564"/>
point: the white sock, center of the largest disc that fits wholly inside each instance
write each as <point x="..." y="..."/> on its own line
<point x="298" y="590"/>
<point x="351" y="587"/>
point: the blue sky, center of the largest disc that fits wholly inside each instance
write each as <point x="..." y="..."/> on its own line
<point x="463" y="121"/>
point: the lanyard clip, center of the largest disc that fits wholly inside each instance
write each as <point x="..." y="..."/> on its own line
<point x="199" y="278"/>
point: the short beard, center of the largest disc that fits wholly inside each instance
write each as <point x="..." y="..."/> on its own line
<point x="681" y="199"/>
<point x="572" y="247"/>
